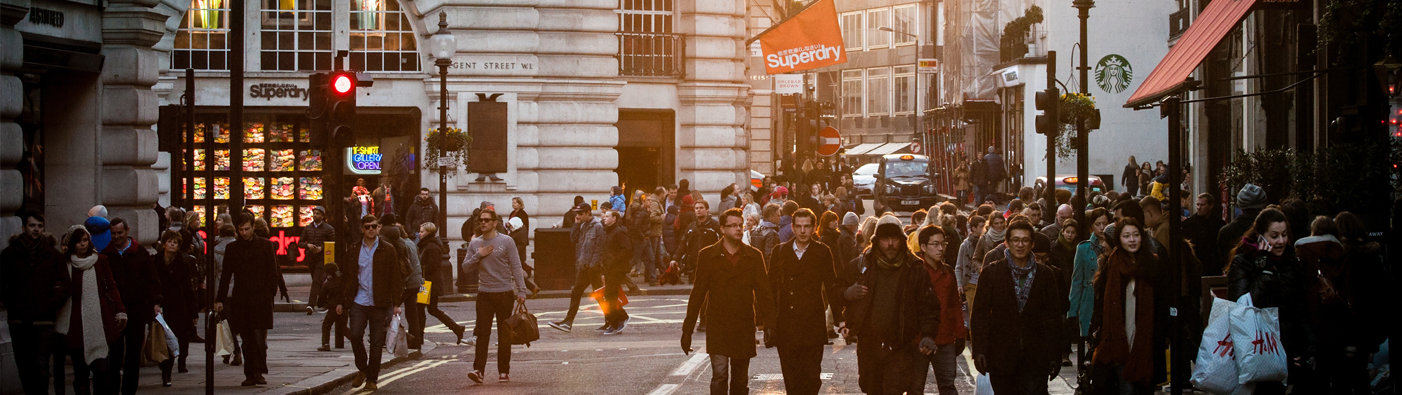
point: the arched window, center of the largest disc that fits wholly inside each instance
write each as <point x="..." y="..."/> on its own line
<point x="381" y="38"/>
<point x="201" y="43"/>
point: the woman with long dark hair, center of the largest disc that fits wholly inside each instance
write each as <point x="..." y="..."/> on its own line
<point x="90" y="319"/>
<point x="1124" y="318"/>
<point x="1262" y="266"/>
<point x="176" y="270"/>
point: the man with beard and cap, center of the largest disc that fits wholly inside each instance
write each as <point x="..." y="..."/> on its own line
<point x="799" y="273"/>
<point x="731" y="290"/>
<point x="1016" y="317"/>
<point x="33" y="288"/>
<point x="891" y="311"/>
<point x="1251" y="199"/>
<point x="423" y="210"/>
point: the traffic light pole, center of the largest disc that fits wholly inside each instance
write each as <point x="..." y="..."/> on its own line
<point x="1049" y="188"/>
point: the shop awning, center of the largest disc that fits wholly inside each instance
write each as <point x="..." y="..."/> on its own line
<point x="1171" y="75"/>
<point x="862" y="149"/>
<point x="889" y="148"/>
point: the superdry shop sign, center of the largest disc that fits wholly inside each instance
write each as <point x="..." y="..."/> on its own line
<point x="809" y="40"/>
<point x="273" y="91"/>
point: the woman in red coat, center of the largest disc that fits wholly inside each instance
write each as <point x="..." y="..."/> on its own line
<point x="92" y="317"/>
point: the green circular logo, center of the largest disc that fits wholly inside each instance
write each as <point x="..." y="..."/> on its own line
<point x="1113" y="73"/>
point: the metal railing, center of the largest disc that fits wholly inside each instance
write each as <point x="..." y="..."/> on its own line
<point x="651" y="55"/>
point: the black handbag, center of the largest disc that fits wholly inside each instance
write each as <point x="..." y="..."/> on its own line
<point x="522" y="326"/>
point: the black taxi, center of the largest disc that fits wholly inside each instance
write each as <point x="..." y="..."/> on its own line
<point x="905" y="182"/>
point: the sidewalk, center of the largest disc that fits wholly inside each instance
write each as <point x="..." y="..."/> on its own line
<point x="294" y="367"/>
<point x="299" y="293"/>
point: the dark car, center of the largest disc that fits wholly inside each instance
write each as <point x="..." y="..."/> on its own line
<point x="905" y="182"/>
<point x="1069" y="181"/>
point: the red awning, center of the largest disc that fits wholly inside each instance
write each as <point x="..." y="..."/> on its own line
<point x="1220" y="17"/>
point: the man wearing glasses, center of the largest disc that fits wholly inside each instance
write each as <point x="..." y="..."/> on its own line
<point x="802" y="268"/>
<point x="731" y="289"/>
<point x="500" y="282"/>
<point x="949" y="343"/>
<point x="374" y="285"/>
<point x="1015" y="313"/>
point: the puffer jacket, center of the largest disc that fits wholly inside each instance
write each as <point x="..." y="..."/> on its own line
<point x="588" y="238"/>
<point x="1274" y="282"/>
<point x="764" y="237"/>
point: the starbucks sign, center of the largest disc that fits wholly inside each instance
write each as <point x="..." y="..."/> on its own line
<point x="1113" y="73"/>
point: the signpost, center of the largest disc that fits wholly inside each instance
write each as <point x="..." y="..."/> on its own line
<point x="915" y="147"/>
<point x="829" y="141"/>
<point x="928" y="66"/>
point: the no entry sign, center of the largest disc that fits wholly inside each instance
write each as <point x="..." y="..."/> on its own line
<point x="829" y="141"/>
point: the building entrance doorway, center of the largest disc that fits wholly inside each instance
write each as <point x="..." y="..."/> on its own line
<point x="646" y="153"/>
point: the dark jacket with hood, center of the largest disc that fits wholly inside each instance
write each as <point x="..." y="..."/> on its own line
<point x="1354" y="314"/>
<point x="918" y="310"/>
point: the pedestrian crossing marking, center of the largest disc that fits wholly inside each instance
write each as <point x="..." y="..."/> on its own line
<point x="780" y="376"/>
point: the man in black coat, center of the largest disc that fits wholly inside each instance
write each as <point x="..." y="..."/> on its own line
<point x="372" y="284"/>
<point x="802" y="268"/>
<point x="249" y="260"/>
<point x="140" y="287"/>
<point x="892" y="311"/>
<point x="32" y="288"/>
<point x="731" y="276"/>
<point x="314" y="238"/>
<point x="1201" y="230"/>
<point x="1016" y="318"/>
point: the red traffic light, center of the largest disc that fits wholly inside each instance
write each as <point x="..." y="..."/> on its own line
<point x="342" y="83"/>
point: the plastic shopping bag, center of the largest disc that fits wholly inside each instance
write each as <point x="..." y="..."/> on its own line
<point x="1216" y="365"/>
<point x="397" y="339"/>
<point x="1256" y="342"/>
<point x="224" y="339"/>
<point x="172" y="343"/>
<point x="983" y="387"/>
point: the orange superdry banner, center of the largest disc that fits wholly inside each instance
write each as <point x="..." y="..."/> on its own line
<point x="809" y="40"/>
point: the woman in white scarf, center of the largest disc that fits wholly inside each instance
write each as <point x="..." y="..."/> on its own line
<point x="92" y="316"/>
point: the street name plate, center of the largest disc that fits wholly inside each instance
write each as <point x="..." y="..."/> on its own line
<point x="445" y="161"/>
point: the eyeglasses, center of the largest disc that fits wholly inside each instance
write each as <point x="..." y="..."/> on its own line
<point x="1020" y="241"/>
<point x="486" y="219"/>
<point x="937" y="244"/>
<point x="732" y="225"/>
<point x="370" y="226"/>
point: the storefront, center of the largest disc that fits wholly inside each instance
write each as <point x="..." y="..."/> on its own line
<point x="285" y="176"/>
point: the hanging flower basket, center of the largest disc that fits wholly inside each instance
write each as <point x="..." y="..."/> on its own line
<point x="454" y="145"/>
<point x="1074" y="106"/>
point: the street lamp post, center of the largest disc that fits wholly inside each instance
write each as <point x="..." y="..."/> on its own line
<point x="444" y="46"/>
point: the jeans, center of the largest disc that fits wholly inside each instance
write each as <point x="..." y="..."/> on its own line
<point x="255" y="351"/>
<point x="581" y="282"/>
<point x="414" y="314"/>
<point x="340" y="323"/>
<point x="613" y="284"/>
<point x="885" y="371"/>
<point x="32" y="352"/>
<point x="802" y="367"/>
<point x="373" y="319"/>
<point x="945" y="363"/>
<point x="125" y="352"/>
<point x="493" y="305"/>
<point x="318" y="276"/>
<point x="729" y="375"/>
<point x="650" y="252"/>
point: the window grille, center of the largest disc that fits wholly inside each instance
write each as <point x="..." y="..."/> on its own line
<point x="647" y="46"/>
<point x="201" y="43"/>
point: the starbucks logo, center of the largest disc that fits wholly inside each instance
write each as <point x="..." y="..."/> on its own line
<point x="1113" y="73"/>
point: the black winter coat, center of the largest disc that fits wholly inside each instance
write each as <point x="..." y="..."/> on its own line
<point x="33" y="285"/>
<point x="618" y="249"/>
<point x="176" y="278"/>
<point x="734" y="298"/>
<point x="431" y="260"/>
<point x="253" y="266"/>
<point x="1274" y="282"/>
<point x="1007" y="337"/>
<point x="137" y="281"/>
<point x="799" y="285"/>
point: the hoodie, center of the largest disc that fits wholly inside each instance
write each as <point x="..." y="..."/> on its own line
<point x="785" y="229"/>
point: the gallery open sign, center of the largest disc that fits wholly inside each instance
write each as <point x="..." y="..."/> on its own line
<point x="364" y="160"/>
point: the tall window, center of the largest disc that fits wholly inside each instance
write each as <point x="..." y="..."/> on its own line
<point x="297" y="34"/>
<point x="645" y="16"/>
<point x="904" y="83"/>
<point x="878" y="18"/>
<point x="202" y="41"/>
<point x="852" y="31"/>
<point x="906" y="21"/>
<point x="381" y="38"/>
<point x="878" y="91"/>
<point x="852" y="96"/>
